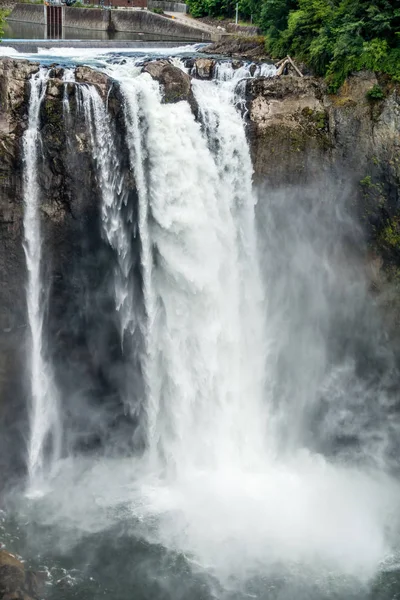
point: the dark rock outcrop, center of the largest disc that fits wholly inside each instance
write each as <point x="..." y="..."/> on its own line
<point x="176" y="83"/>
<point x="298" y="132"/>
<point x="88" y="75"/>
<point x="240" y="47"/>
<point x="14" y="93"/>
<point x="204" y="68"/>
<point x="17" y="583"/>
<point x="77" y="262"/>
<point x="289" y="128"/>
<point x="301" y="135"/>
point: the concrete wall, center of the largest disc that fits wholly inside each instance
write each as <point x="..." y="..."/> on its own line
<point x="133" y="21"/>
<point x="127" y="3"/>
<point x="119" y="3"/>
<point x="147" y="22"/>
<point x="167" y="6"/>
<point x="30" y="13"/>
<point x="86" y="18"/>
<point x="249" y="30"/>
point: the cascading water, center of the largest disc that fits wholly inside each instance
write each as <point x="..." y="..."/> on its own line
<point x="114" y="198"/>
<point x="45" y="427"/>
<point x="228" y="492"/>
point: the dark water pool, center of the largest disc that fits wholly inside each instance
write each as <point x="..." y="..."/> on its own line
<point x="119" y="564"/>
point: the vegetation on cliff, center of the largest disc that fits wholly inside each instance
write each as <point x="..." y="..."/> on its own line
<point x="4" y="12"/>
<point x="334" y="37"/>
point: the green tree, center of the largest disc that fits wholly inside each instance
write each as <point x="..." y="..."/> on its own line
<point x="334" y="37"/>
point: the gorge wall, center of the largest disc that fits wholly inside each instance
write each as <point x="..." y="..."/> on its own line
<point x="299" y="135"/>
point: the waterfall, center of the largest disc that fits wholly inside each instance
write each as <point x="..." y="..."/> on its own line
<point x="233" y="479"/>
<point x="202" y="290"/>
<point x="118" y="232"/>
<point x="44" y="420"/>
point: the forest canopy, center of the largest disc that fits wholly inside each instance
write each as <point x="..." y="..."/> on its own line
<point x="333" y="37"/>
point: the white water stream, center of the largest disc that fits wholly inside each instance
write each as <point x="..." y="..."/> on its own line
<point x="44" y="415"/>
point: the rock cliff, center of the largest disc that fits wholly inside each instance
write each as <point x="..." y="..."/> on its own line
<point x="16" y="582"/>
<point x="298" y="134"/>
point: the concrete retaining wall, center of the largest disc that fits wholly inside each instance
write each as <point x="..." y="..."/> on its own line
<point x="167" y="6"/>
<point x="249" y="30"/>
<point x="87" y="18"/>
<point x="125" y="3"/>
<point x="29" y="13"/>
<point x="132" y="21"/>
<point x="147" y="22"/>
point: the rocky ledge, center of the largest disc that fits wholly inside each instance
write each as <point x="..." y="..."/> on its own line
<point x="17" y="583"/>
<point x="299" y="133"/>
<point x="249" y="48"/>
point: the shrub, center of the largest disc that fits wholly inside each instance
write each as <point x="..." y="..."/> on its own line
<point x="375" y="93"/>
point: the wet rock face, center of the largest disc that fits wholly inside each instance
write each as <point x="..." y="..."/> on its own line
<point x="176" y="85"/>
<point x="75" y="256"/>
<point x="289" y="129"/>
<point x="14" y="94"/>
<point x="299" y="134"/>
<point x="204" y="68"/>
<point x="88" y="75"/>
<point x="14" y="75"/>
<point x="16" y="583"/>
<point x="78" y="263"/>
<point x="298" y="131"/>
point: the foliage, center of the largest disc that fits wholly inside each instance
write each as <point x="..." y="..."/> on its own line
<point x="221" y="8"/>
<point x="4" y="12"/>
<point x="367" y="181"/>
<point x="334" y="37"/>
<point x="80" y="4"/>
<point x="375" y="93"/>
<point x="157" y="11"/>
<point x="391" y="233"/>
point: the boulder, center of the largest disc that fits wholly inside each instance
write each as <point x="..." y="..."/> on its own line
<point x="55" y="88"/>
<point x="57" y="72"/>
<point x="15" y="582"/>
<point x="189" y="63"/>
<point x="14" y="77"/>
<point x="88" y="75"/>
<point x="175" y="82"/>
<point x="237" y="64"/>
<point x="155" y="68"/>
<point x="204" y="68"/>
<point x="12" y="573"/>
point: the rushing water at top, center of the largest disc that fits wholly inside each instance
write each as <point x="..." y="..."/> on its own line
<point x="236" y="491"/>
